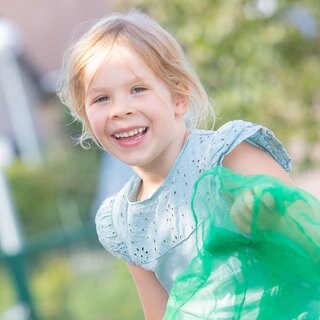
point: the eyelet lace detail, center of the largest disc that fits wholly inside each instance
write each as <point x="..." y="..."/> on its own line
<point x="141" y="232"/>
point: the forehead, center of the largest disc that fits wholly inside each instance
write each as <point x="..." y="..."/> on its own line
<point x="117" y="61"/>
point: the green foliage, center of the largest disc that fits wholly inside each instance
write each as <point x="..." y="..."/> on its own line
<point x="7" y="295"/>
<point x="60" y="191"/>
<point x="64" y="291"/>
<point x="256" y="67"/>
<point x="79" y="286"/>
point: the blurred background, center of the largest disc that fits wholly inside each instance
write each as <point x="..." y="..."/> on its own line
<point x="259" y="61"/>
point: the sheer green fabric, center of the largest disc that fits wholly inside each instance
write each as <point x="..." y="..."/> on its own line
<point x="258" y="251"/>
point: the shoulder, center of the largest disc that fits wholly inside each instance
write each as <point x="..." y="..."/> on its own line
<point x="221" y="141"/>
<point x="260" y="141"/>
<point x="259" y="153"/>
<point x="213" y="146"/>
<point x="246" y="159"/>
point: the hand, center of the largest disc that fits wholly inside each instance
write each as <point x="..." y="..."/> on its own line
<point x="255" y="209"/>
<point x="269" y="213"/>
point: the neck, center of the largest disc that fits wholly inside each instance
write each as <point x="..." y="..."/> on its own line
<point x="153" y="176"/>
<point x="149" y="185"/>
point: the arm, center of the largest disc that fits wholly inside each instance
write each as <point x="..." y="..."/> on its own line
<point x="301" y="222"/>
<point x="152" y="295"/>
<point x="246" y="159"/>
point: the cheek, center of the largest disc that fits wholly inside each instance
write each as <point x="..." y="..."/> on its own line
<point x="96" y="120"/>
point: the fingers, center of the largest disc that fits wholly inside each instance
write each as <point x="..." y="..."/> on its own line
<point x="255" y="208"/>
<point x="241" y="211"/>
<point x="263" y="193"/>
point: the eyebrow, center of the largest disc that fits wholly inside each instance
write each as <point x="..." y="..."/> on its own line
<point x="126" y="84"/>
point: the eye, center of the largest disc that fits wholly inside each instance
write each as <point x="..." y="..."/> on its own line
<point x="138" y="89"/>
<point x="101" y="99"/>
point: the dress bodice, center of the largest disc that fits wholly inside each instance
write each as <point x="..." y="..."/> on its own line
<point x="158" y="233"/>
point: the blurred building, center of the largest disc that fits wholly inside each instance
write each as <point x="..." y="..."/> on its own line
<point x="47" y="26"/>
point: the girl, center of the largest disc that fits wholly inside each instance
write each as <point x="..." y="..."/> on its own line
<point x="129" y="83"/>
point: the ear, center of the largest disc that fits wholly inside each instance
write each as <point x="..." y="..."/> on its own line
<point x="181" y="104"/>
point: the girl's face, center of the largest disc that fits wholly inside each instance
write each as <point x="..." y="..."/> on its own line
<point x="132" y="113"/>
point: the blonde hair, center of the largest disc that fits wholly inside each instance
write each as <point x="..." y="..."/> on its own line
<point x="153" y="44"/>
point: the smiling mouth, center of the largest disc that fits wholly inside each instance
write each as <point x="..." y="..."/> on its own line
<point x="131" y="133"/>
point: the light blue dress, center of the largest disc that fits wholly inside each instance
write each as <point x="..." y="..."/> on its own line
<point x="158" y="233"/>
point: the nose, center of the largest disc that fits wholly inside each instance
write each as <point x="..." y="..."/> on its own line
<point x="121" y="109"/>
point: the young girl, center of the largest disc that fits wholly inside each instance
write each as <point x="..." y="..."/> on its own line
<point x="130" y="84"/>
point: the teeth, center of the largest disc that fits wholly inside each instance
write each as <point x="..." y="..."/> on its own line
<point x="130" y="133"/>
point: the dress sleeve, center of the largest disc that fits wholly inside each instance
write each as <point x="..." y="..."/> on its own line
<point x="234" y="132"/>
<point x="107" y="233"/>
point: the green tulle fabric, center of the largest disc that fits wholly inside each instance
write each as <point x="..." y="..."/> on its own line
<point x="258" y="254"/>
